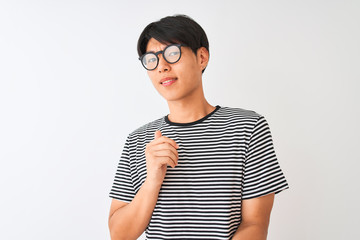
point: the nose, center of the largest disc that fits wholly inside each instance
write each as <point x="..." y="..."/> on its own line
<point x="163" y="65"/>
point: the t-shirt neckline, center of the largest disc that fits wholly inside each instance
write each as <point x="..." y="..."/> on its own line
<point x="191" y="123"/>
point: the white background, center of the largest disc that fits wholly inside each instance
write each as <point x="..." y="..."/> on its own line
<point x="72" y="89"/>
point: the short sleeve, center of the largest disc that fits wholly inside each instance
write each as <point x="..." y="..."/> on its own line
<point x="262" y="174"/>
<point x="122" y="188"/>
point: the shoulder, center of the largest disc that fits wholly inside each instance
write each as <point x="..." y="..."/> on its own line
<point x="238" y="114"/>
<point x="147" y="130"/>
<point x="249" y="120"/>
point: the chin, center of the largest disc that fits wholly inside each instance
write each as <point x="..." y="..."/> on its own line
<point x="172" y="98"/>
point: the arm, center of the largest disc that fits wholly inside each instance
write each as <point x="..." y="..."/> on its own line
<point x="255" y="218"/>
<point x="132" y="218"/>
<point x="129" y="220"/>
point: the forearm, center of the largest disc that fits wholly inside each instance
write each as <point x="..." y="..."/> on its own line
<point x="130" y="221"/>
<point x="250" y="232"/>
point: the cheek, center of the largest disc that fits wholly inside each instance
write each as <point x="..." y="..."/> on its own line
<point x="192" y="66"/>
<point x="151" y="76"/>
<point x="191" y="71"/>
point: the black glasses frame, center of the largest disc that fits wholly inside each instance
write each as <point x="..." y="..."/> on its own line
<point x="162" y="52"/>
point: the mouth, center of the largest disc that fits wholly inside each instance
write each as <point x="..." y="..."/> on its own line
<point x="167" y="81"/>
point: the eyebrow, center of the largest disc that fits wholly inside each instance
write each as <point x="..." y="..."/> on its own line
<point x="156" y="53"/>
<point x="168" y="44"/>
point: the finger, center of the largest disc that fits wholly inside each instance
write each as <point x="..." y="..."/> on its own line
<point x="166" y="153"/>
<point x="164" y="139"/>
<point x="157" y="134"/>
<point x="165" y="146"/>
<point x="166" y="161"/>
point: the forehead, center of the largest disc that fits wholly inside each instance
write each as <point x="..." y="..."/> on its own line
<point x="154" y="45"/>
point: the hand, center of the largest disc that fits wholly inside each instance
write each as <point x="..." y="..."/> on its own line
<point x="160" y="153"/>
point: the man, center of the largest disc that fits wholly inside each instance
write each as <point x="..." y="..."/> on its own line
<point x="202" y="171"/>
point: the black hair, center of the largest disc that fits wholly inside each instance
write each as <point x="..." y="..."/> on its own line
<point x="174" y="29"/>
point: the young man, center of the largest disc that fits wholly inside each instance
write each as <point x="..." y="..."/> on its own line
<point x="202" y="171"/>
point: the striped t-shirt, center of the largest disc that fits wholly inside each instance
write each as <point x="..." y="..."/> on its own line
<point x="225" y="157"/>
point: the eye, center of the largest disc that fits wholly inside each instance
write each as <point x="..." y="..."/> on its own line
<point x="151" y="60"/>
<point x="174" y="53"/>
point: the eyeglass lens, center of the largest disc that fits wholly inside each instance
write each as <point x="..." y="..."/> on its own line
<point x="171" y="54"/>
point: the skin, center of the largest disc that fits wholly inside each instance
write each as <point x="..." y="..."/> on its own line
<point x="256" y="217"/>
<point x="185" y="97"/>
<point x="187" y="103"/>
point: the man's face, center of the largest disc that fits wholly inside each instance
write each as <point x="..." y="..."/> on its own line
<point x="183" y="77"/>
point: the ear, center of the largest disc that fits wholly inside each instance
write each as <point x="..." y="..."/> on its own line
<point x="203" y="57"/>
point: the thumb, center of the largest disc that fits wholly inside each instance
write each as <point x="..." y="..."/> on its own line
<point x="157" y="134"/>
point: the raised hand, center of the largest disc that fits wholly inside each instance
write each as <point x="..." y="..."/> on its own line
<point x="160" y="153"/>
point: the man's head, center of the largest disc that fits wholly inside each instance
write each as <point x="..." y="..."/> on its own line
<point x="174" y="29"/>
<point x="175" y="70"/>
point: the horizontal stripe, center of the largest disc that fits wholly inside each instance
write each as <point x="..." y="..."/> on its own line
<point x="223" y="159"/>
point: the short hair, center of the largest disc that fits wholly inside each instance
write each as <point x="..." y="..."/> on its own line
<point x="174" y="29"/>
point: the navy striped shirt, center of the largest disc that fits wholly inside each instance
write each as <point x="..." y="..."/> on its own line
<point x="224" y="158"/>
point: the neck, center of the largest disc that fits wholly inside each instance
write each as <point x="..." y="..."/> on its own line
<point x="189" y="110"/>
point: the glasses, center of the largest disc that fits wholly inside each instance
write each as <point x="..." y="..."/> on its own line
<point x="171" y="54"/>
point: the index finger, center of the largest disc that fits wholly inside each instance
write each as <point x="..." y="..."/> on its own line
<point x="164" y="139"/>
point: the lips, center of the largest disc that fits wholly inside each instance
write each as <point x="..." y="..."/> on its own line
<point x="168" y="80"/>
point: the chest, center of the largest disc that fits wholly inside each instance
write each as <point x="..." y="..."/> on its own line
<point x="208" y="159"/>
